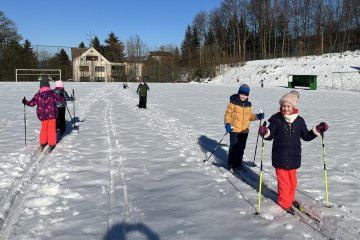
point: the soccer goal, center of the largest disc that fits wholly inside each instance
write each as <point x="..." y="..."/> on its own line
<point x="36" y="74"/>
<point x="346" y="80"/>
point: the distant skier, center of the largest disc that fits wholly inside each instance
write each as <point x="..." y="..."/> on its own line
<point x="47" y="112"/>
<point x="60" y="121"/>
<point x="237" y="119"/>
<point x="125" y="86"/>
<point x="287" y="128"/>
<point x="142" y="91"/>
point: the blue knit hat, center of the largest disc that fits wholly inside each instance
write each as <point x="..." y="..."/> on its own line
<point x="244" y="89"/>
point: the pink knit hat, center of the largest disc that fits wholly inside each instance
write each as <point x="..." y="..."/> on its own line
<point x="290" y="98"/>
<point x="59" y="83"/>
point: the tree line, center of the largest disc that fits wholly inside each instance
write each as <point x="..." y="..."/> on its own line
<point x="235" y="32"/>
<point x="243" y="30"/>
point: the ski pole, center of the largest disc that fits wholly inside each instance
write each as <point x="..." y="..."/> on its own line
<point x="261" y="173"/>
<point x="73" y="94"/>
<point x="72" y="120"/>
<point x="25" y="121"/>
<point x="257" y="140"/>
<point x="325" y="175"/>
<point x="216" y="147"/>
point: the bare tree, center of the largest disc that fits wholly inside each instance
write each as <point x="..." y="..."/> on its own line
<point x="8" y="30"/>
<point x="136" y="48"/>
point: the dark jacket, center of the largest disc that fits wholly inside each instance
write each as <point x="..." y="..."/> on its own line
<point x="142" y="90"/>
<point x="63" y="94"/>
<point x="46" y="104"/>
<point x="286" y="149"/>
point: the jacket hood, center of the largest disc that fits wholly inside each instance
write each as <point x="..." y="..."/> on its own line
<point x="235" y="99"/>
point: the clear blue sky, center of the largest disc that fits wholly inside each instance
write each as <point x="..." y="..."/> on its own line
<point x="69" y="22"/>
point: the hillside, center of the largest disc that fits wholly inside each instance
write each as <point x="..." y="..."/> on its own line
<point x="276" y="72"/>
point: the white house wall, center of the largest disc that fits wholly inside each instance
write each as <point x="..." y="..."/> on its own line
<point x="101" y="62"/>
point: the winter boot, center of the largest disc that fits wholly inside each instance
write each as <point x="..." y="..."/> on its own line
<point x="51" y="148"/>
<point x="42" y="146"/>
<point x="297" y="205"/>
<point x="290" y="210"/>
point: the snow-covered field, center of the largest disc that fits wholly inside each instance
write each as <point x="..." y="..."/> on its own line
<point x="129" y="173"/>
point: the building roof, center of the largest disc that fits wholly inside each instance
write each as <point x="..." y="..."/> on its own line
<point x="160" y="53"/>
<point x="75" y="52"/>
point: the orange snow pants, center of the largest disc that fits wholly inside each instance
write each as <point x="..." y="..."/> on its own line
<point x="286" y="186"/>
<point x="48" y="132"/>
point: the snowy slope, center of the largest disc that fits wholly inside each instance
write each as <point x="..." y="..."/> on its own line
<point x="277" y="72"/>
<point x="128" y="173"/>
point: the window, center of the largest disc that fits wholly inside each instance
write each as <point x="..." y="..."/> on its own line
<point x="100" y="69"/>
<point x="117" y="69"/>
<point x="91" y="58"/>
<point x="100" y="79"/>
<point x="84" y="68"/>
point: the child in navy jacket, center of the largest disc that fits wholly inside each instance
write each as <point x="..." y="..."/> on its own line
<point x="287" y="128"/>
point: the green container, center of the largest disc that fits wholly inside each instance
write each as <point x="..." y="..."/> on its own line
<point x="309" y="81"/>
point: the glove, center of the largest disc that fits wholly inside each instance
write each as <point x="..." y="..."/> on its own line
<point x="263" y="131"/>
<point x="24" y="101"/>
<point x="260" y="116"/>
<point x="228" y="128"/>
<point x="322" y="127"/>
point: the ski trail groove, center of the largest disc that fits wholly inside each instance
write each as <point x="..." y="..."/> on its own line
<point x="13" y="201"/>
<point x="182" y="133"/>
<point x="116" y="166"/>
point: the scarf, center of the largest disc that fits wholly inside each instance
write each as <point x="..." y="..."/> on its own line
<point x="290" y="118"/>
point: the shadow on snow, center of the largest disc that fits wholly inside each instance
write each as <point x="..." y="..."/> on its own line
<point x="121" y="230"/>
<point x="247" y="174"/>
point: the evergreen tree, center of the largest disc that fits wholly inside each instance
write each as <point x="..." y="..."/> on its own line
<point x="195" y="46"/>
<point x="82" y="45"/>
<point x="11" y="60"/>
<point x="186" y="47"/>
<point x="95" y="43"/>
<point x="28" y="60"/>
<point x="61" y="61"/>
<point x="114" y="48"/>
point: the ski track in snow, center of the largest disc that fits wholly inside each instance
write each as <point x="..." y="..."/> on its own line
<point x="328" y="228"/>
<point x="13" y="203"/>
<point x="185" y="138"/>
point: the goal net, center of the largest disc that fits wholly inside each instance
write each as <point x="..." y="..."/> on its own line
<point x="36" y="74"/>
<point x="346" y="80"/>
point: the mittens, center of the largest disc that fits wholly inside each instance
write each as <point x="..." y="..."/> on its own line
<point x="322" y="127"/>
<point x="263" y="131"/>
<point x="228" y="128"/>
<point x="260" y="116"/>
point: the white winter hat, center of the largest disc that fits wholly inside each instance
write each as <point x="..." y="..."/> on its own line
<point x="290" y="98"/>
<point x="59" y="83"/>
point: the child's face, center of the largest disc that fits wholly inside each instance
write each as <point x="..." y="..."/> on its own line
<point x="287" y="108"/>
<point x="243" y="97"/>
